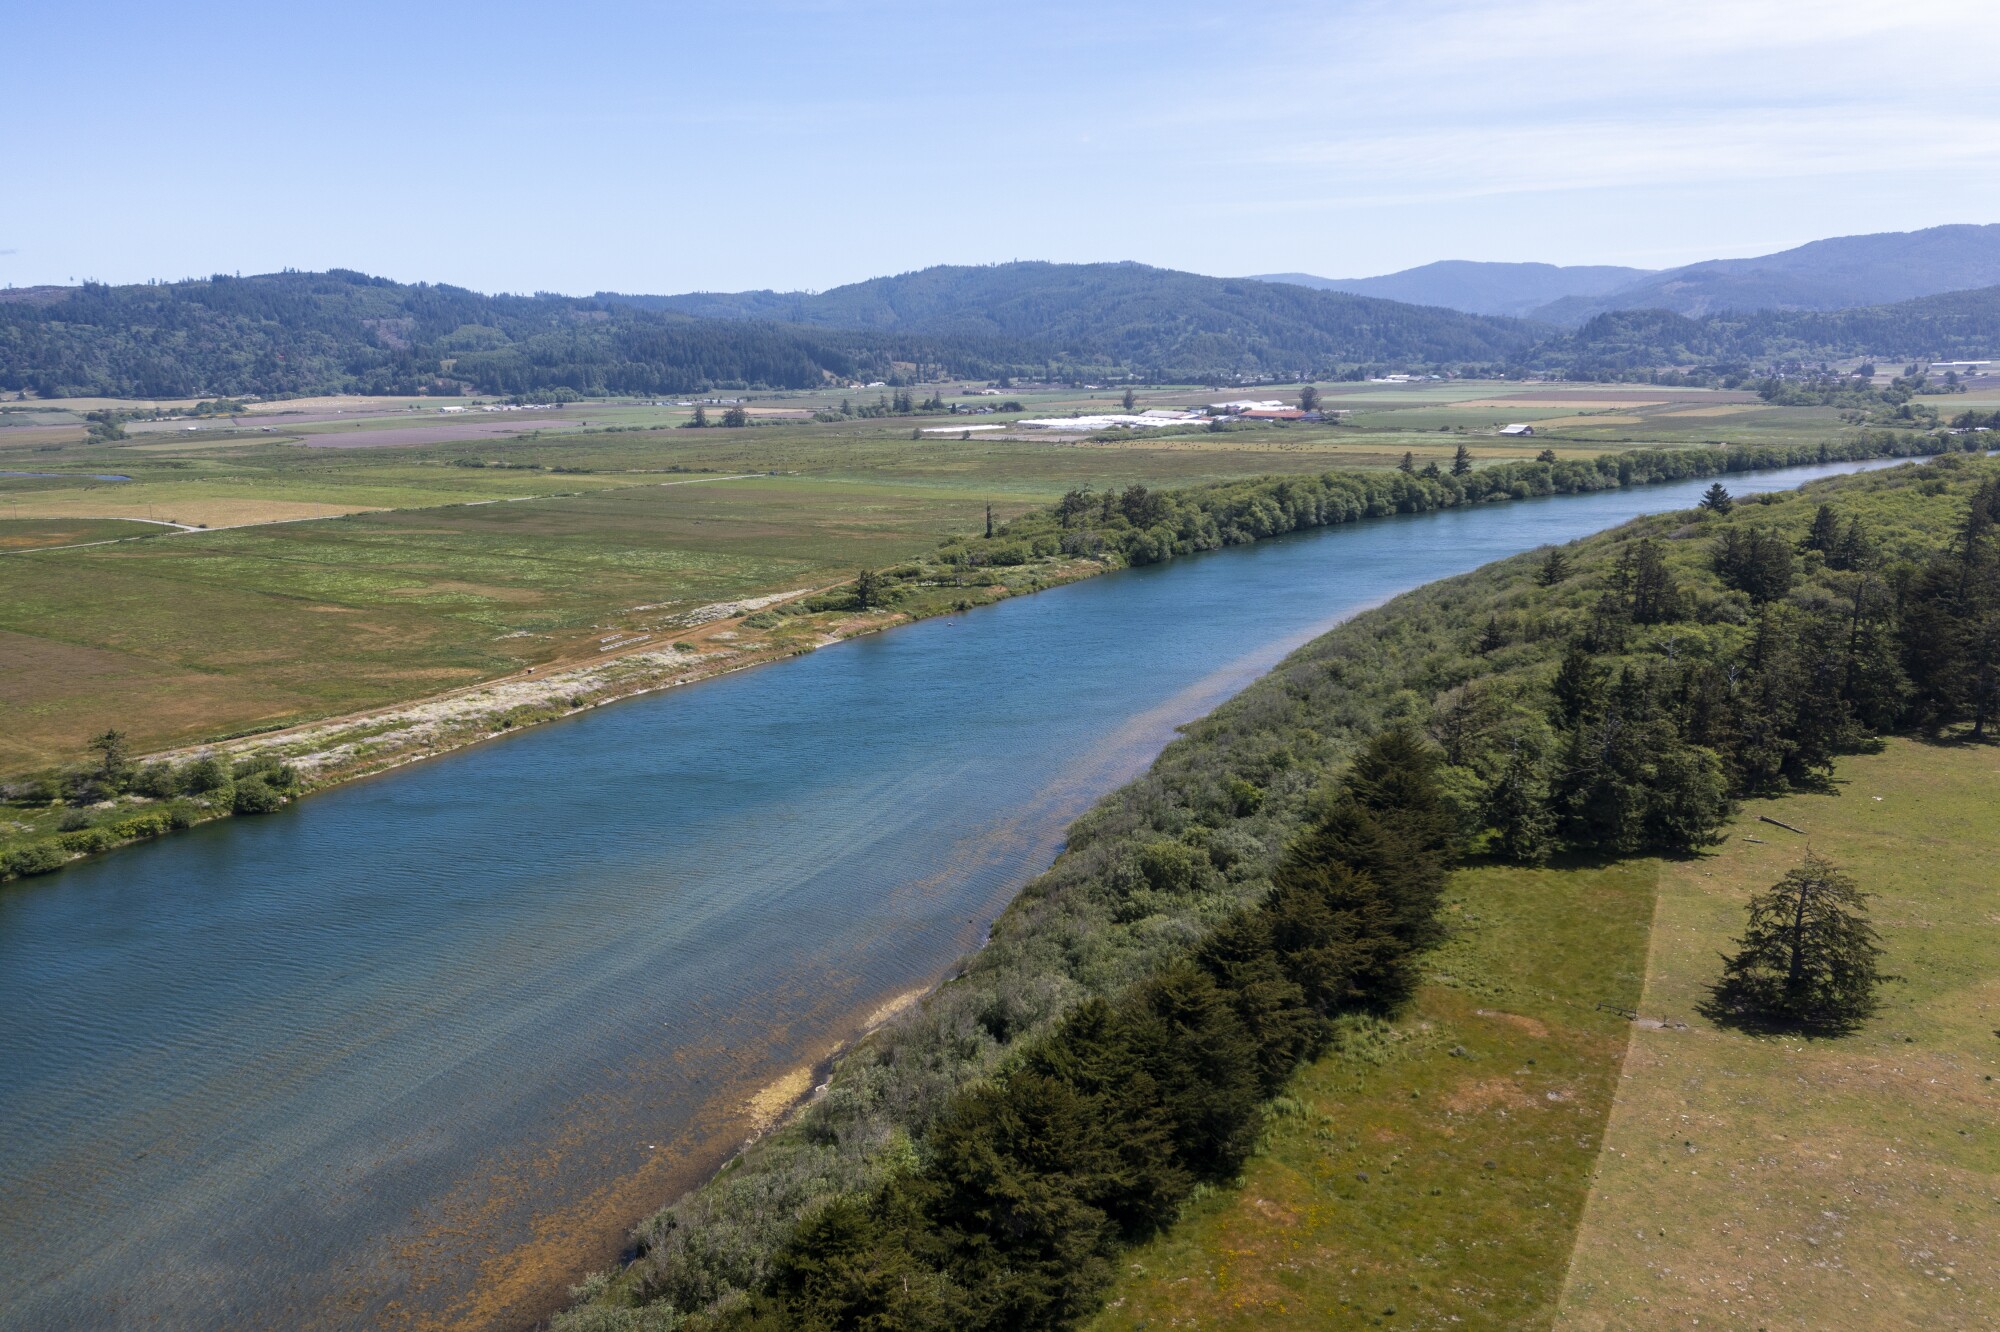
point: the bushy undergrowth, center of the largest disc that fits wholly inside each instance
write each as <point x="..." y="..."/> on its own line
<point x="1606" y="698"/>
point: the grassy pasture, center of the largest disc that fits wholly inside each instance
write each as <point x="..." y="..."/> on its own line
<point x="299" y="620"/>
<point x="1429" y="1173"/>
<point x="39" y="534"/>
<point x="1771" y="1182"/>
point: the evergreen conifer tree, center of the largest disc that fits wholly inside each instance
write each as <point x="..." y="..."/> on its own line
<point x="1809" y="958"/>
<point x="1517" y="809"/>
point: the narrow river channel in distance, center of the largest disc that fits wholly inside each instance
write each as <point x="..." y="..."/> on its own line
<point x="416" y="1052"/>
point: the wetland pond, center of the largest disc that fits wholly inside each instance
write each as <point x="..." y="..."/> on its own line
<point x="416" y="1052"/>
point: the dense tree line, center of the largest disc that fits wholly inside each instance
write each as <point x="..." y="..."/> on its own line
<point x="1139" y="526"/>
<point x="1093" y="1137"/>
<point x="1607" y="697"/>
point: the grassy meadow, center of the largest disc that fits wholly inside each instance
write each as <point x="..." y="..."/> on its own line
<point x="311" y="573"/>
<point x="1429" y="1172"/>
<point x="1772" y="1182"/>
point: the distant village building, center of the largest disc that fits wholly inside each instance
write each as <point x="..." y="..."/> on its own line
<point x="1517" y="430"/>
<point x="1109" y="421"/>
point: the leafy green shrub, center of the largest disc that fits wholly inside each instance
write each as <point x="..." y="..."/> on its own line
<point x="159" y="780"/>
<point x="35" y="858"/>
<point x="73" y="819"/>
<point x="141" y="827"/>
<point x="254" y="795"/>
<point x="208" y="776"/>
<point x="88" y="841"/>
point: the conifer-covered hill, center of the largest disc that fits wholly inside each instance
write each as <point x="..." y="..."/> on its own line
<point x="983" y="1162"/>
<point x="1159" y="321"/>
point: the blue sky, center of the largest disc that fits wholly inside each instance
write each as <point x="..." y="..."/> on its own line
<point x="677" y="146"/>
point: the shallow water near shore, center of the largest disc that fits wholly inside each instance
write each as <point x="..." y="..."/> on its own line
<point x="416" y="1051"/>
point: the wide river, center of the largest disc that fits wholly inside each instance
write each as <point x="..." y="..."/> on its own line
<point x="415" y="1052"/>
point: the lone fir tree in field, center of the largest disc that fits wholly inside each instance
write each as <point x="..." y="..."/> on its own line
<point x="1809" y="957"/>
<point x="1131" y="400"/>
<point x="1309" y="399"/>
<point x="1716" y="499"/>
<point x="1409" y="463"/>
<point x="1461" y="461"/>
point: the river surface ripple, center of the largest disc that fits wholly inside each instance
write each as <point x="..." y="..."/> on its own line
<point x="414" y="1052"/>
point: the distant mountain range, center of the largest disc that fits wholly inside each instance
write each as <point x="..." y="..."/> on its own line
<point x="1837" y="274"/>
<point x="1478" y="288"/>
<point x="1916" y="295"/>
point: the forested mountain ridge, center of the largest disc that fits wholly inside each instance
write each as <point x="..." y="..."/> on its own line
<point x="344" y="332"/>
<point x="339" y="331"/>
<point x="1833" y="274"/>
<point x="1618" y="343"/>
<point x="1478" y="287"/>
<point x="1154" y="320"/>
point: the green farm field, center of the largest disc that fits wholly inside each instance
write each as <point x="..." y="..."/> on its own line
<point x="1510" y="1155"/>
<point x="317" y="577"/>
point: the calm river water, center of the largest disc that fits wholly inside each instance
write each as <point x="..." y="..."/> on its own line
<point x="415" y="1052"/>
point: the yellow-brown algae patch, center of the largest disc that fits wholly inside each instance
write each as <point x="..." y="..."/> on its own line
<point x="770" y="1104"/>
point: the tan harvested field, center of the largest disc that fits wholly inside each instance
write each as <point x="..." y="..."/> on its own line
<point x="187" y="511"/>
<point x="440" y="433"/>
<point x="14" y="436"/>
<point x="1842" y="1185"/>
<point x="1580" y="401"/>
